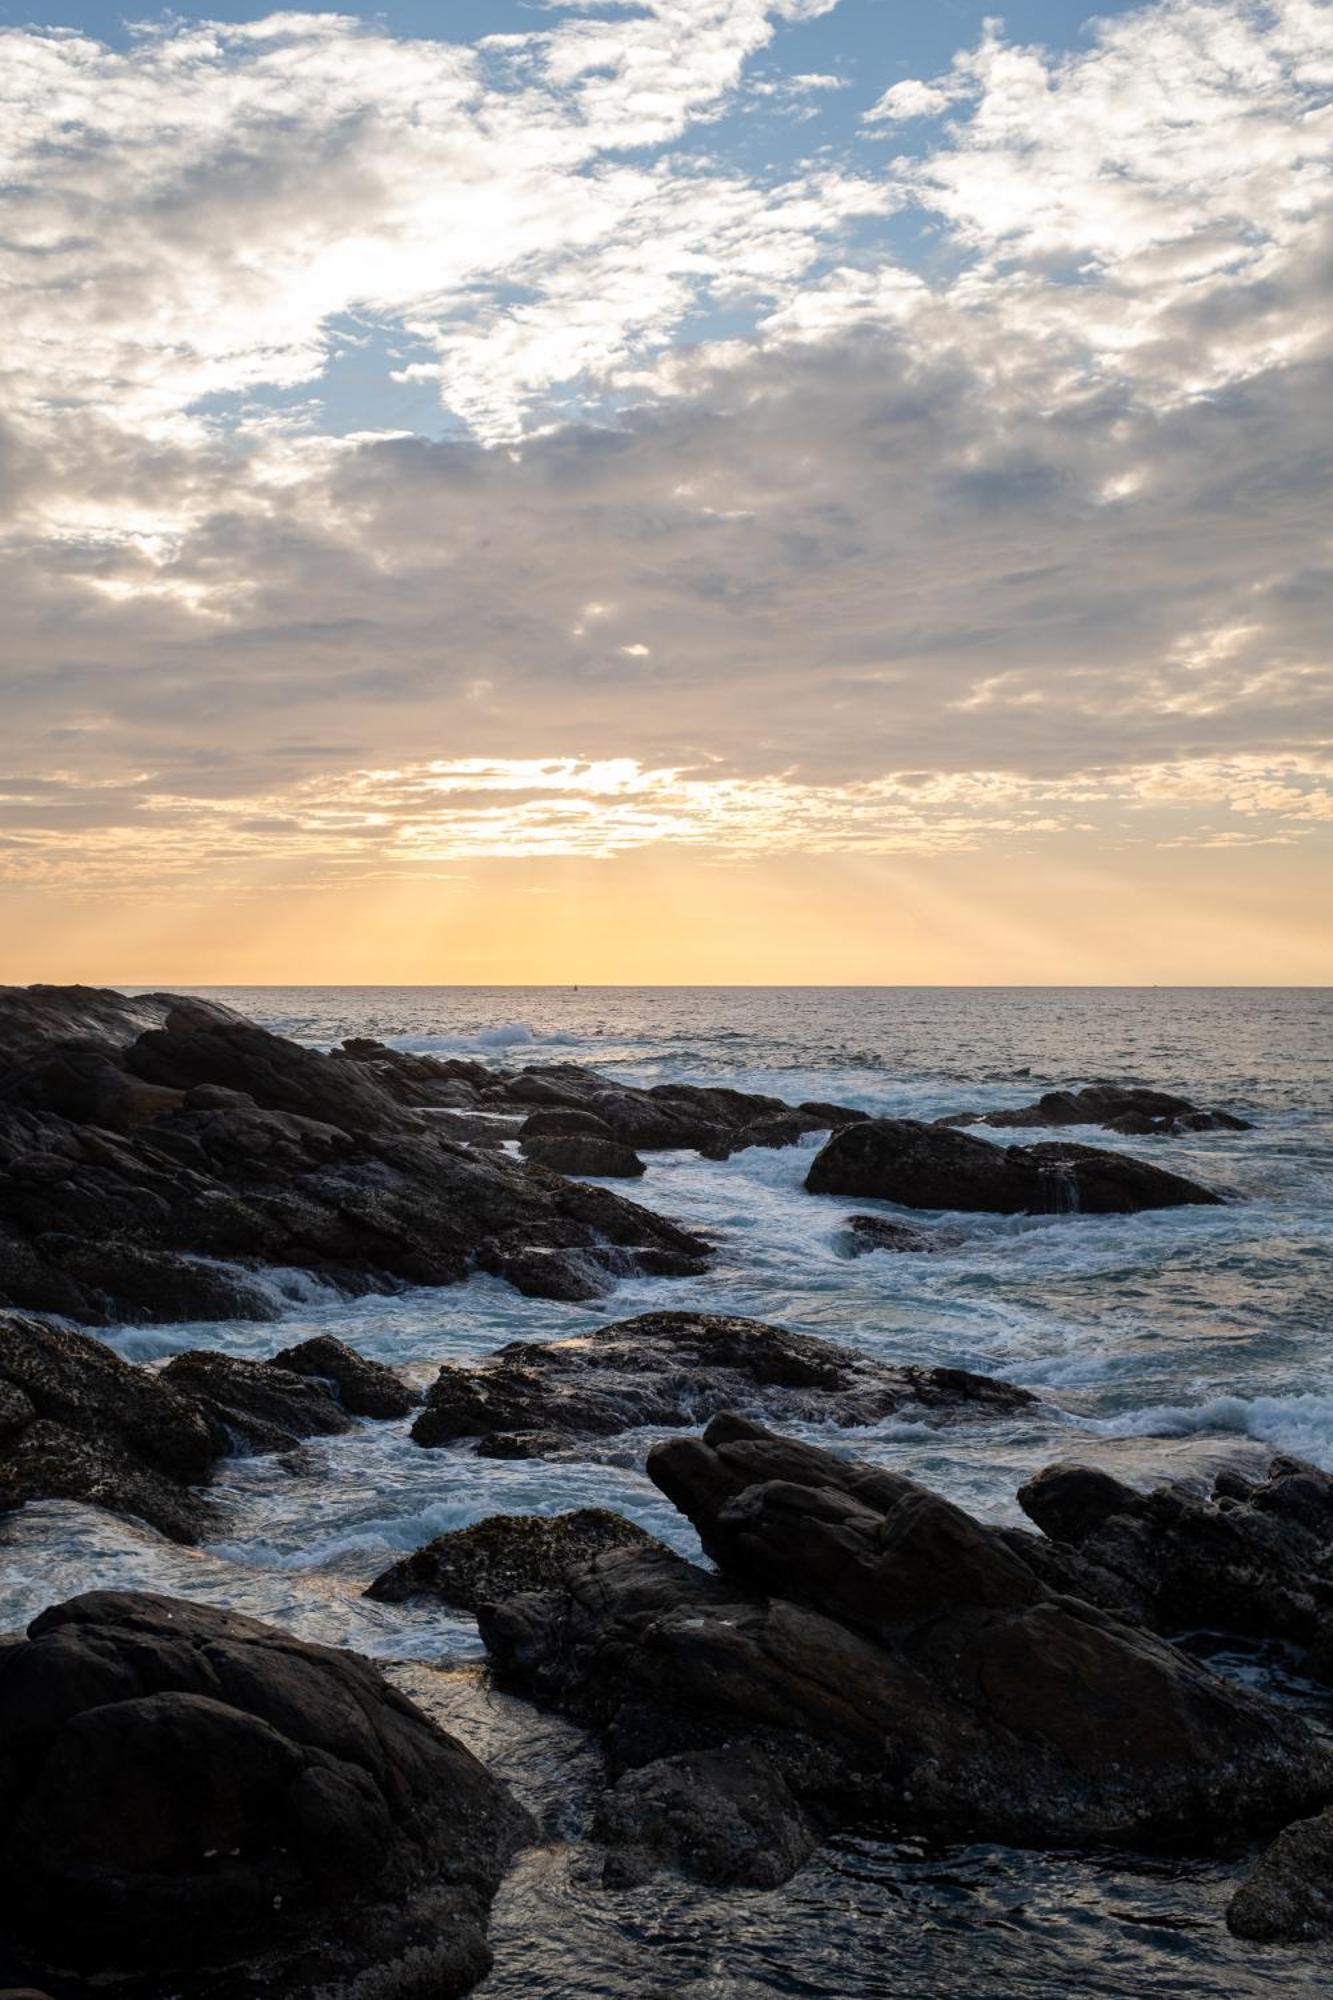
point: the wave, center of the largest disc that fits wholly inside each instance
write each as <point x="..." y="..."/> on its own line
<point x="1300" y="1424"/>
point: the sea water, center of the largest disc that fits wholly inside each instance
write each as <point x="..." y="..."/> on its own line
<point x="1161" y="1345"/>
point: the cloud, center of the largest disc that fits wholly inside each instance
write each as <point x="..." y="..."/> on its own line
<point x="1023" y="539"/>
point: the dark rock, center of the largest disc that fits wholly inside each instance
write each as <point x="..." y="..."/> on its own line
<point x="564" y="1123"/>
<point x="259" y="1406"/>
<point x="722" y="1816"/>
<point x="898" y="1664"/>
<point x="711" y="1120"/>
<point x="584" y="1156"/>
<point x="832" y="1116"/>
<point x="506" y="1554"/>
<point x="83" y="1424"/>
<point x="365" y="1388"/>
<point x="677" y="1368"/>
<point x="1255" y="1557"/>
<point x="154" y="1154"/>
<point x="1288" y="1897"/>
<point x="929" y="1166"/>
<point x="876" y="1232"/>
<point x="193" y="1801"/>
<point x="1127" y="1108"/>
<point x="523" y="1444"/>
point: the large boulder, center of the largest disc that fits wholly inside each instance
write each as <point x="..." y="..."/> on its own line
<point x="191" y="1801"/>
<point x="583" y="1155"/>
<point x="258" y="1406"/>
<point x="365" y="1388"/>
<point x="77" y="1422"/>
<point x="930" y="1166"/>
<point x="898" y="1664"/>
<point x="156" y="1156"/>
<point x="1119" y="1107"/>
<point x="669" y="1369"/>
<point x="1288" y="1896"/>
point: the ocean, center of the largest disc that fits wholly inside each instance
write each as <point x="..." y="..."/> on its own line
<point x="1162" y="1345"/>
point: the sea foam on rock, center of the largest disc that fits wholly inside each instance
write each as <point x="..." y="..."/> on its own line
<point x="192" y="1801"/>
<point x="931" y="1166"/>
<point x="897" y="1664"/>
<point x="669" y="1369"/>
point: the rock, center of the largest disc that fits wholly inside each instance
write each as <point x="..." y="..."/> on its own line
<point x="1254" y="1557"/>
<point x="259" y="1406"/>
<point x="928" y="1166"/>
<point x="505" y="1554"/>
<point x="193" y="1801"/>
<point x="676" y="1368"/>
<point x="155" y="1155"/>
<point x="1288" y="1897"/>
<point x="363" y="1387"/>
<point x="876" y="1232"/>
<point x="83" y="1424"/>
<point x="896" y="1663"/>
<point x="832" y="1116"/>
<point x="711" y="1120"/>
<point x="584" y="1156"/>
<point x="1127" y="1108"/>
<point x="563" y="1122"/>
<point x="722" y="1816"/>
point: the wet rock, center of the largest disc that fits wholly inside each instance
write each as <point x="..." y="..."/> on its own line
<point x="832" y="1116"/>
<point x="564" y="1123"/>
<point x="711" y="1120"/>
<point x="193" y="1801"/>
<point x="83" y="1424"/>
<point x="722" y="1816"/>
<point x="896" y="1663"/>
<point x="876" y="1232"/>
<point x="1288" y="1898"/>
<point x="584" y="1156"/>
<point x="155" y="1156"/>
<point x="1253" y="1557"/>
<point x="506" y="1554"/>
<point x="259" y="1406"/>
<point x="1127" y="1108"/>
<point x="365" y="1388"/>
<point x="677" y="1368"/>
<point x="929" y="1166"/>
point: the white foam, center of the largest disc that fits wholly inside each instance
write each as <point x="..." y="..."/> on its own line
<point x="1301" y="1424"/>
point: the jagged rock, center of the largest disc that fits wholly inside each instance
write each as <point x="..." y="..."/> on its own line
<point x="263" y="1407"/>
<point x="676" y="1368"/>
<point x="193" y="1801"/>
<point x="1127" y="1108"/>
<point x="930" y="1166"/>
<point x="897" y="1663"/>
<point x="711" y="1120"/>
<point x="153" y="1154"/>
<point x="1288" y="1897"/>
<point x="584" y="1156"/>
<point x="876" y="1232"/>
<point x="366" y="1388"/>
<point x="1255" y="1557"/>
<point x="83" y="1424"/>
<point x="723" y="1816"/>
<point x="505" y="1554"/>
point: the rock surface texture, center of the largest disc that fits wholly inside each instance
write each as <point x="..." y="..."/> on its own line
<point x="931" y="1166"/>
<point x="505" y="1554"/>
<point x="1128" y="1108"/>
<point x="1288" y="1898"/>
<point x="894" y="1663"/>
<point x="676" y="1368"/>
<point x="192" y="1802"/>
<point x="150" y="1147"/>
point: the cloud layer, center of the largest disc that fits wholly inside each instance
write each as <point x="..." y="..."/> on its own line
<point x="883" y="502"/>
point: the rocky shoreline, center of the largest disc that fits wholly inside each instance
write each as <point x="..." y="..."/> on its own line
<point x="196" y="1803"/>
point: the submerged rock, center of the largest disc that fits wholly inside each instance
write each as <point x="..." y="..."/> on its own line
<point x="1127" y="1108"/>
<point x="1288" y="1897"/>
<point x="506" y="1554"/>
<point x="193" y="1801"/>
<point x="677" y="1368"/>
<point x="363" y="1387"/>
<point x="877" y="1232"/>
<point x="929" y="1166"/>
<point x="156" y="1155"/>
<point x="79" y="1423"/>
<point x="896" y="1664"/>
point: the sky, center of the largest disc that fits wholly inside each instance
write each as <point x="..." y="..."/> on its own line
<point x="667" y="491"/>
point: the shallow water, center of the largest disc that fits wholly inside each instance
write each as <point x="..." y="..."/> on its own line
<point x="1162" y="1344"/>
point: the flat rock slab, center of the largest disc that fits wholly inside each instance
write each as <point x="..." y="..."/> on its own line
<point x="678" y="1368"/>
<point x="191" y="1801"/>
<point x="930" y="1166"/>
